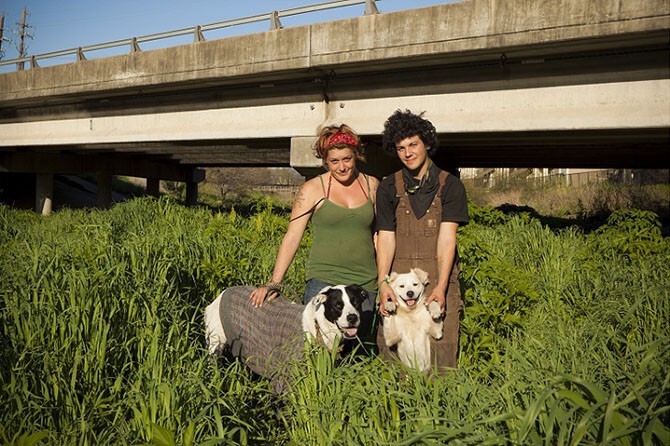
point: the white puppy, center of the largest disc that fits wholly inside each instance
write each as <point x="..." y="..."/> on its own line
<point x="412" y="323"/>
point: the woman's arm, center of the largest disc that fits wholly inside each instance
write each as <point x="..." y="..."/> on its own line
<point x="446" y="252"/>
<point x="385" y="254"/>
<point x="307" y="196"/>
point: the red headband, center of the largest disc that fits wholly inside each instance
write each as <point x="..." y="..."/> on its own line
<point x="342" y="138"/>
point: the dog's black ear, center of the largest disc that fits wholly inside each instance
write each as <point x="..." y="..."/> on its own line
<point x="357" y="292"/>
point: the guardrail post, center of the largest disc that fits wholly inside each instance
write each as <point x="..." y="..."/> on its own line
<point x="33" y="62"/>
<point x="197" y="34"/>
<point x="134" y="46"/>
<point x="274" y="21"/>
<point x="371" y="7"/>
<point x="80" y="54"/>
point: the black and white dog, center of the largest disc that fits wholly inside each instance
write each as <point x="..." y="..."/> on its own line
<point x="412" y="323"/>
<point x="265" y="337"/>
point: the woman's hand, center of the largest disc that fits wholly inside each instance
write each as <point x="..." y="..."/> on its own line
<point x="259" y="294"/>
<point x="438" y="295"/>
<point x="386" y="294"/>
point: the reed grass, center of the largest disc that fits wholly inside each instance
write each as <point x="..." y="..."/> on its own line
<point x="565" y="338"/>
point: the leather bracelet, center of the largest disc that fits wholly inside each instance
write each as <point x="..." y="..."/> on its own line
<point x="282" y="288"/>
<point x="273" y="286"/>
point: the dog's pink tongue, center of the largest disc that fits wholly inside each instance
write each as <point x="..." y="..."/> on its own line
<point x="411" y="302"/>
<point x="351" y="331"/>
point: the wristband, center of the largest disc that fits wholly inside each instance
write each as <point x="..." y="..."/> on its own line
<point x="273" y="286"/>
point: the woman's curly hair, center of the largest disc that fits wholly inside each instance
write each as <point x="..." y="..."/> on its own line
<point x="405" y="124"/>
<point x="325" y="141"/>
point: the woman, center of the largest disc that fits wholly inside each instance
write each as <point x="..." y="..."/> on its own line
<point x="341" y="204"/>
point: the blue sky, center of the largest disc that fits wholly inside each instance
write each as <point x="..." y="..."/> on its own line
<point x="60" y="25"/>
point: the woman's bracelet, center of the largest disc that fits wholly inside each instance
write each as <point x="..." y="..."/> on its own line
<point x="273" y="286"/>
<point x="386" y="280"/>
<point x="282" y="288"/>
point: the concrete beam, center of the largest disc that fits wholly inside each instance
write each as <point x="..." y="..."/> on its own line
<point x="622" y="105"/>
<point x="58" y="163"/>
<point x="257" y="157"/>
<point x="229" y="123"/>
<point x="625" y="105"/>
<point x="451" y="30"/>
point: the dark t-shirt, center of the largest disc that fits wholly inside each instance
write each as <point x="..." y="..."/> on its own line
<point x="454" y="199"/>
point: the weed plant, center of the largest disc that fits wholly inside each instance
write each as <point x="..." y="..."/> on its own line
<point x="565" y="337"/>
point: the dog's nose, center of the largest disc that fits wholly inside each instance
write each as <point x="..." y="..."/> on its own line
<point x="352" y="318"/>
<point x="410" y="293"/>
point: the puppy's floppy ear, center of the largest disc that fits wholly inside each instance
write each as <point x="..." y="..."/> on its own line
<point x="393" y="276"/>
<point x="422" y="275"/>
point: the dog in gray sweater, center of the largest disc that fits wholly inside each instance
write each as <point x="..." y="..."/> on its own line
<point x="267" y="336"/>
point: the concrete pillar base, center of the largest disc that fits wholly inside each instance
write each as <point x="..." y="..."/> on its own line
<point x="104" y="194"/>
<point x="153" y="187"/>
<point x="44" y="193"/>
<point x="191" y="193"/>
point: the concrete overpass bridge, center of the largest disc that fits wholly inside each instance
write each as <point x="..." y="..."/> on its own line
<point x="508" y="83"/>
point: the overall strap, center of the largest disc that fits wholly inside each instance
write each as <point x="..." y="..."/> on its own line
<point x="399" y="184"/>
<point x="442" y="178"/>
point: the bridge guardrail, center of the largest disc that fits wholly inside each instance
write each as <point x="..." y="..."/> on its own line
<point x="197" y="31"/>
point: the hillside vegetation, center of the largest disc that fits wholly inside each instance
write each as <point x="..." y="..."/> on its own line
<point x="565" y="337"/>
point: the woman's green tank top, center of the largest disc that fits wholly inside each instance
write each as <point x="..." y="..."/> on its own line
<point x="343" y="251"/>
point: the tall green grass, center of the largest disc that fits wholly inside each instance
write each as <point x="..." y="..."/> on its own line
<point x="565" y="337"/>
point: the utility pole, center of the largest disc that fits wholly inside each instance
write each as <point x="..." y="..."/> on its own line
<point x="2" y="28"/>
<point x="22" y="39"/>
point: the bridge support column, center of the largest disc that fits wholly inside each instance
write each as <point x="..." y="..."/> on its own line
<point x="104" y="194"/>
<point x="191" y="193"/>
<point x="44" y="192"/>
<point x="153" y="187"/>
<point x="302" y="156"/>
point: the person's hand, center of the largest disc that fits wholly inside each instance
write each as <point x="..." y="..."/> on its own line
<point x="437" y="296"/>
<point x="386" y="294"/>
<point x="259" y="294"/>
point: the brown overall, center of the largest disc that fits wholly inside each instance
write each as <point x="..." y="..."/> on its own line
<point x="416" y="247"/>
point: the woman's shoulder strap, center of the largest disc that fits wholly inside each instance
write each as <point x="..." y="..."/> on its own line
<point x="323" y="186"/>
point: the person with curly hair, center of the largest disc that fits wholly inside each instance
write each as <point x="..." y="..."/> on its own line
<point x="419" y="210"/>
<point x="340" y="203"/>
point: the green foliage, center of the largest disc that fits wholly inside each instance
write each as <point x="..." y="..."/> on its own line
<point x="630" y="233"/>
<point x="485" y="215"/>
<point x="565" y="337"/>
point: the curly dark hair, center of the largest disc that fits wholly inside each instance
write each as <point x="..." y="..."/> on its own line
<point x="405" y="124"/>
